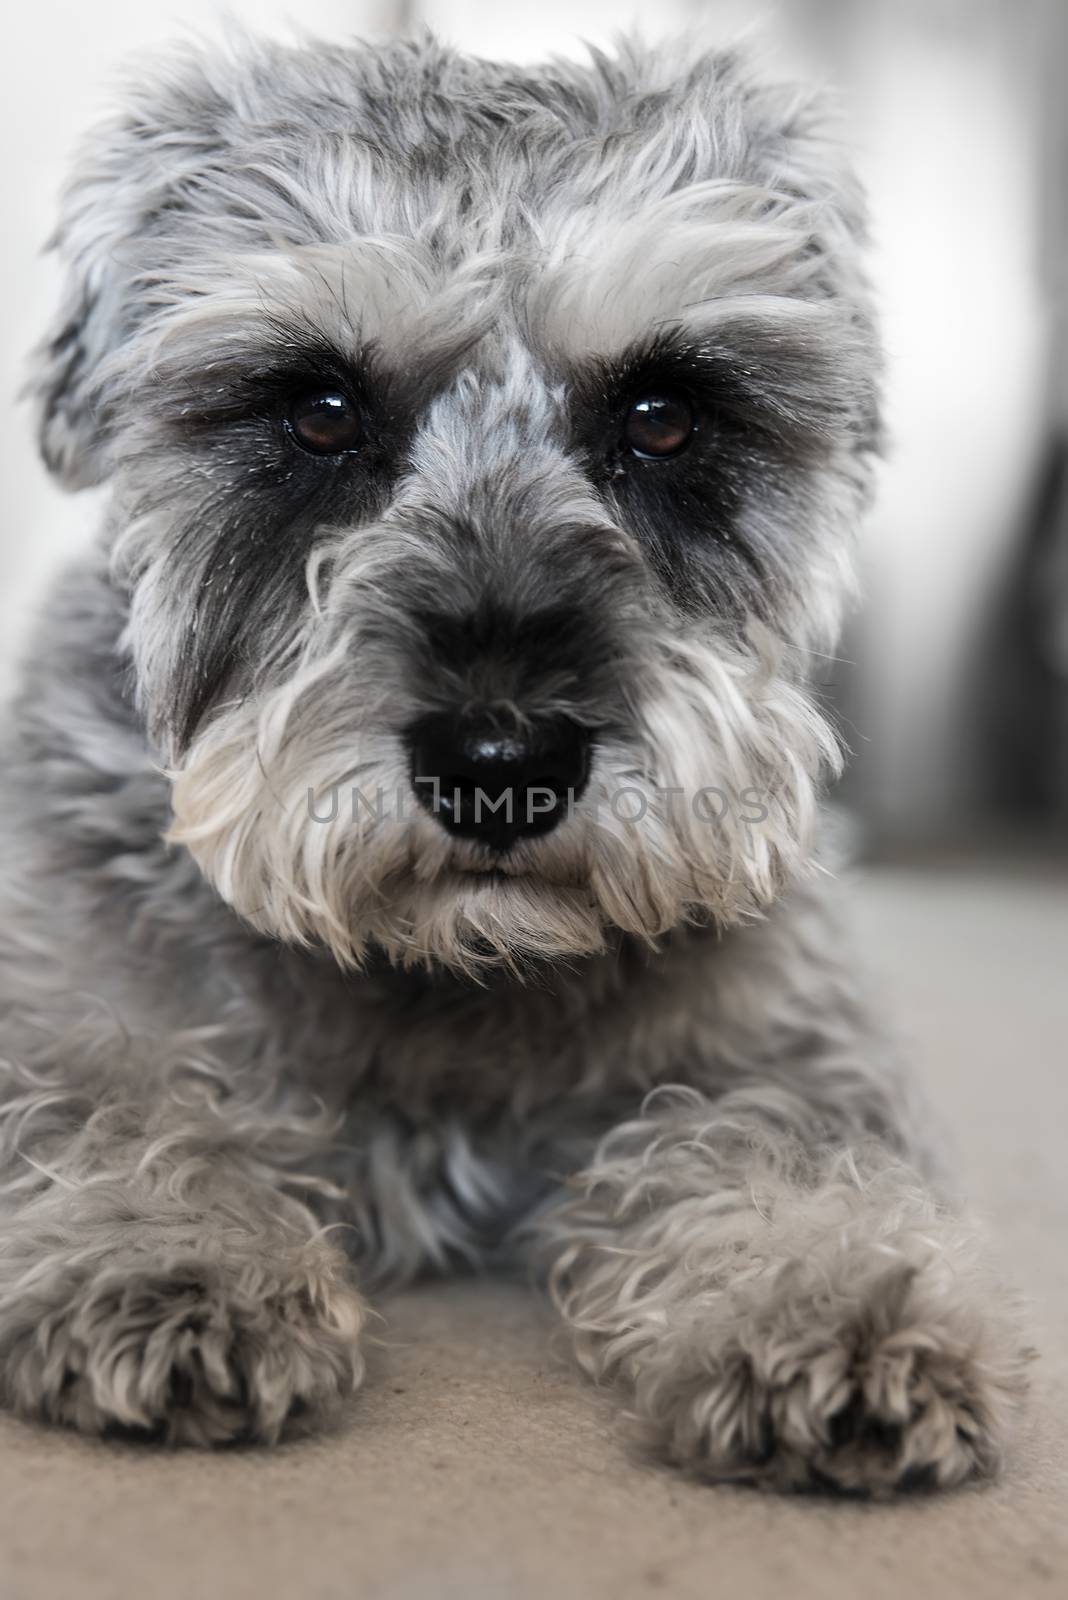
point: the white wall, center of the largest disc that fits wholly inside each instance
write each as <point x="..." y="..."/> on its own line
<point x="951" y="160"/>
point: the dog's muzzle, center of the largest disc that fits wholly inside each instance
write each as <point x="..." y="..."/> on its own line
<point x="495" y="783"/>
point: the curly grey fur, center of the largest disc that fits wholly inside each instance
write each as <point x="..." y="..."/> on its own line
<point x="252" y="1059"/>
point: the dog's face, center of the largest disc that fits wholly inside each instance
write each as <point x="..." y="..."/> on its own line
<point x="486" y="446"/>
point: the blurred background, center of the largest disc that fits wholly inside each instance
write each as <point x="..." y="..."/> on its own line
<point x="953" y="682"/>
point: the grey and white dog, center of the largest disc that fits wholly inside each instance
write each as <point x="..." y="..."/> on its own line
<point x="410" y="808"/>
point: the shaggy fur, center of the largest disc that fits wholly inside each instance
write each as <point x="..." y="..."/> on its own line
<point x="272" y="1033"/>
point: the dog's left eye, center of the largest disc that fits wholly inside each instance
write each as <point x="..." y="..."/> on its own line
<point x="658" y="425"/>
<point x="327" y="424"/>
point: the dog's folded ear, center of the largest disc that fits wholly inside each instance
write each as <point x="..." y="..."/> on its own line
<point x="124" y="196"/>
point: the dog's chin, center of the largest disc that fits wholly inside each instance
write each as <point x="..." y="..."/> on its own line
<point x="471" y="921"/>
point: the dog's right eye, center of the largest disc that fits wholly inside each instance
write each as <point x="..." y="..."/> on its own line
<point x="658" y="425"/>
<point x="327" y="424"/>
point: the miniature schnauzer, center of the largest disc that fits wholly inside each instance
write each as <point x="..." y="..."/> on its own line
<point x="411" y="806"/>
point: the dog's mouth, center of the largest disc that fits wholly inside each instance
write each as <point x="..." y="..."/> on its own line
<point x="502" y="871"/>
<point x="488" y="877"/>
<point x="542" y="870"/>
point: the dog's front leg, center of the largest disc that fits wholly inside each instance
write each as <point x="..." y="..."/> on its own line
<point x="156" y="1275"/>
<point x="780" y="1307"/>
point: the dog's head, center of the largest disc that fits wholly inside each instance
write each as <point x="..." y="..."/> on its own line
<point x="486" y="445"/>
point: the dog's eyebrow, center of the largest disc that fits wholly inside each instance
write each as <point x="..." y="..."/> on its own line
<point x="386" y="292"/>
<point x="702" y="258"/>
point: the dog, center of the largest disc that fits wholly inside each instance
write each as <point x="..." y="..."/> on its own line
<point x="412" y="845"/>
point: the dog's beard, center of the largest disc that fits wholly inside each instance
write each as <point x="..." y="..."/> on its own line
<point x="307" y="825"/>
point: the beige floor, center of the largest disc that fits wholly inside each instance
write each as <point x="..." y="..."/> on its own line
<point x="476" y="1466"/>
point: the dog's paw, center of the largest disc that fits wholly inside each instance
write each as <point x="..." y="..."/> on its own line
<point x="809" y="1390"/>
<point x="191" y="1351"/>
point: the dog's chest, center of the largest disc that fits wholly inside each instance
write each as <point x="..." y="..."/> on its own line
<point x="429" y="1195"/>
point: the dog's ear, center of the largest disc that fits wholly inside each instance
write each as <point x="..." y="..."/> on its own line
<point x="126" y="191"/>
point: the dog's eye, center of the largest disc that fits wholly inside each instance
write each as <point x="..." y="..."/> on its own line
<point x="327" y="424"/>
<point x="658" y="425"/>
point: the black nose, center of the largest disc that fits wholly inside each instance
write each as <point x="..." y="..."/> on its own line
<point x="498" y="783"/>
